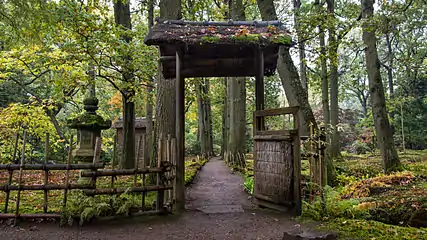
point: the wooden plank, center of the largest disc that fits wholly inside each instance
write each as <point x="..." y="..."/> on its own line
<point x="123" y="172"/>
<point x="180" y="131"/>
<point x="111" y="191"/>
<point x="43" y="187"/>
<point x="46" y="172"/>
<point x="267" y="204"/>
<point x="297" y="174"/>
<point x="285" y="137"/>
<point x="51" y="166"/>
<point x="277" y="111"/>
<point x="30" y="216"/>
<point x="67" y="176"/>
<point x="24" y="139"/>
<point x="276" y="133"/>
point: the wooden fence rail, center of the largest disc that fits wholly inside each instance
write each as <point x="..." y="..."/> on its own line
<point x="164" y="170"/>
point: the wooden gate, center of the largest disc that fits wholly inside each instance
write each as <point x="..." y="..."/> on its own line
<point x="277" y="162"/>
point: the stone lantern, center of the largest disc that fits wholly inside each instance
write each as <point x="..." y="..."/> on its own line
<point x="89" y="126"/>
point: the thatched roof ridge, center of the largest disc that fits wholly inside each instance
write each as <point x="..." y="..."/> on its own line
<point x="265" y="33"/>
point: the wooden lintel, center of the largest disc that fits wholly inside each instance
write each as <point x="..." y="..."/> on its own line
<point x="277" y="111"/>
<point x="276" y="132"/>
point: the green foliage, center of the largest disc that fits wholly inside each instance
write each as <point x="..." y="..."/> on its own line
<point x="192" y="166"/>
<point x="360" y="147"/>
<point x="248" y="184"/>
<point x="330" y="206"/>
<point x="362" y="229"/>
<point x="87" y="208"/>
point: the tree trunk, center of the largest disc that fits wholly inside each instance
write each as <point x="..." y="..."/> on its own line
<point x="165" y="88"/>
<point x="330" y="172"/>
<point x="148" y="151"/>
<point x="379" y="111"/>
<point x="295" y="93"/>
<point x="301" y="45"/>
<point x="225" y="121"/>
<point x="204" y="118"/>
<point x="390" y="65"/>
<point x="333" y="76"/>
<point x="236" y="96"/>
<point x="237" y="122"/>
<point x="389" y="69"/>
<point x="122" y="17"/>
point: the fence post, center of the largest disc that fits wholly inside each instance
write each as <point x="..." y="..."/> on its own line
<point x="96" y="158"/>
<point x="67" y="176"/>
<point x="46" y="172"/>
<point x="21" y="168"/>
<point x="160" y="193"/>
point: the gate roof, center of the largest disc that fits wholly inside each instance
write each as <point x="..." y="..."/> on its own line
<point x="218" y="49"/>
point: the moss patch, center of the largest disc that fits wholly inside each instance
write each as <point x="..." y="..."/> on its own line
<point x="86" y="120"/>
<point x="210" y="39"/>
<point x="248" y="38"/>
<point x="361" y="229"/>
<point x="192" y="166"/>
<point x="281" y="39"/>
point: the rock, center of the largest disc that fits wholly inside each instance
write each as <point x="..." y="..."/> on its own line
<point x="33" y="228"/>
<point x="306" y="234"/>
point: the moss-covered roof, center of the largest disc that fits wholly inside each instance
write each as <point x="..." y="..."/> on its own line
<point x="263" y="33"/>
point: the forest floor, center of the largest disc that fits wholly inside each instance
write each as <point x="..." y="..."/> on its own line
<point x="217" y="208"/>
<point x="365" y="203"/>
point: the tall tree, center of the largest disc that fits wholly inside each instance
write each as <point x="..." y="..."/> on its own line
<point x="122" y="17"/>
<point x="236" y="106"/>
<point x="301" y="44"/>
<point x="382" y="125"/>
<point x="333" y="78"/>
<point x="165" y="88"/>
<point x="148" y="154"/>
<point x="204" y="118"/>
<point x="294" y="90"/>
<point x="325" y="90"/>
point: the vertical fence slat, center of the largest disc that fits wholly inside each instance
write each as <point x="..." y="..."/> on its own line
<point x="67" y="176"/>
<point x="159" y="160"/>
<point x="173" y="147"/>
<point x="168" y="159"/>
<point x="46" y="172"/>
<point x="9" y="182"/>
<point x="96" y="157"/>
<point x="113" y="164"/>
<point x="20" y="177"/>
<point x="144" y="164"/>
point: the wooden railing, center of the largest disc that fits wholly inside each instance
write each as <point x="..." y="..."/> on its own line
<point x="164" y="183"/>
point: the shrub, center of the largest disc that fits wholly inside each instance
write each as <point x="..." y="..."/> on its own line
<point x="330" y="206"/>
<point x="360" y="147"/>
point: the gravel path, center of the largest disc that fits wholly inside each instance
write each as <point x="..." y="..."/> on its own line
<point x="217" y="208"/>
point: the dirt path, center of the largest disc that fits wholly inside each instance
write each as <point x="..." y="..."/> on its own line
<point x="217" y="208"/>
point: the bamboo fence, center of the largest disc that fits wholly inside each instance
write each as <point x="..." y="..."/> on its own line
<point x="164" y="186"/>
